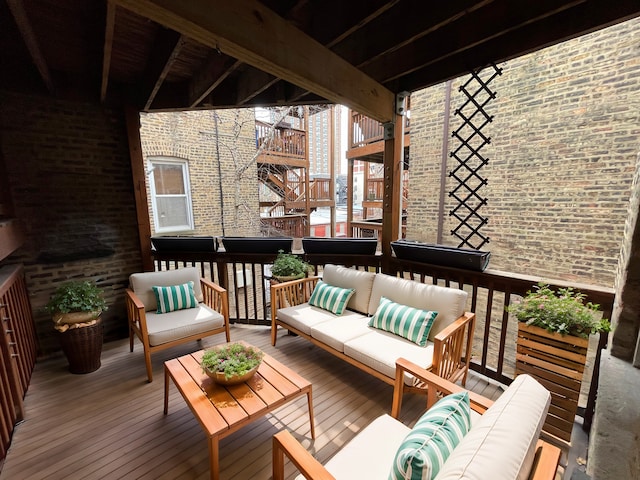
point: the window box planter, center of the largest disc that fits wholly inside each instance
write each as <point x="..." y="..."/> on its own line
<point x="184" y="244"/>
<point x="257" y="244"/>
<point x="441" y="255"/>
<point x="346" y="245"/>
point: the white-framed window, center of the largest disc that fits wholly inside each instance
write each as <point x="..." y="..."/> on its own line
<point x="170" y="194"/>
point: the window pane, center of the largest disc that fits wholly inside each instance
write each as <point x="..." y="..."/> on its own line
<point x="172" y="212"/>
<point x="168" y="179"/>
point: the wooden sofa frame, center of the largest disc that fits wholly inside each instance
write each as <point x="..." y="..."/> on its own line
<point x="451" y="346"/>
<point x="545" y="464"/>
<point x="214" y="296"/>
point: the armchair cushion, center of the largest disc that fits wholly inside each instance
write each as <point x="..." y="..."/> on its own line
<point x="175" y="297"/>
<point x="141" y="284"/>
<point x="408" y="322"/>
<point x="434" y="436"/>
<point x="330" y="298"/>
<point x="165" y="328"/>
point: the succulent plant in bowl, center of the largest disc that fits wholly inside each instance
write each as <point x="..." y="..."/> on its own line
<point x="231" y="363"/>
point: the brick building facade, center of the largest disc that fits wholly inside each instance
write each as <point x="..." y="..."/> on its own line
<point x="564" y="144"/>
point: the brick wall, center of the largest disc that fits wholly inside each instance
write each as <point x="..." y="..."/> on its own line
<point x="69" y="174"/>
<point x="192" y="136"/>
<point x="565" y="136"/>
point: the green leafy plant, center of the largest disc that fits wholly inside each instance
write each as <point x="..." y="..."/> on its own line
<point x="288" y="264"/>
<point x="563" y="311"/>
<point x="76" y="296"/>
<point x="234" y="359"/>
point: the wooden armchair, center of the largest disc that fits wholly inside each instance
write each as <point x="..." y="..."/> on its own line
<point x="371" y="453"/>
<point x="158" y="331"/>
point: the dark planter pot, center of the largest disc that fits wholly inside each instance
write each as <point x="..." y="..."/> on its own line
<point x="83" y="347"/>
<point x="441" y="255"/>
<point x="257" y="244"/>
<point x="347" y="245"/>
<point x="185" y="244"/>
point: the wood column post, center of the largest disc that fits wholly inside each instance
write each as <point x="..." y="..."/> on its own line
<point x="349" y="232"/>
<point x="392" y="201"/>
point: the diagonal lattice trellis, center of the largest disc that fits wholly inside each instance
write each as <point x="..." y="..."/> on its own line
<point x="466" y="175"/>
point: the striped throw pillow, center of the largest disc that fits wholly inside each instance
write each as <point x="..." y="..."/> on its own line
<point x="425" y="449"/>
<point x="175" y="297"/>
<point x="408" y="322"/>
<point x="328" y="297"/>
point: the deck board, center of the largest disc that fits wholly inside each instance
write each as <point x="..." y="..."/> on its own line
<point x="109" y="424"/>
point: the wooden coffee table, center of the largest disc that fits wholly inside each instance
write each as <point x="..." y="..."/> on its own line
<point x="223" y="410"/>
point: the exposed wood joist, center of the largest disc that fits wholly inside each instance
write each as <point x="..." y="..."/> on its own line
<point x="248" y="31"/>
<point x="30" y="40"/>
<point x="216" y="70"/>
<point x="163" y="56"/>
<point x="107" y="49"/>
<point x="249" y="86"/>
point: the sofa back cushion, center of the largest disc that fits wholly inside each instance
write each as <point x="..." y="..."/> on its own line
<point x="141" y="284"/>
<point x="359" y="280"/>
<point x="501" y="444"/>
<point x="448" y="302"/>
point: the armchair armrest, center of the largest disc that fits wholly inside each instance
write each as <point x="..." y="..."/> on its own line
<point x="452" y="348"/>
<point x="285" y="444"/>
<point x="435" y="385"/>
<point x="545" y="463"/>
<point x="136" y="317"/>
<point x="215" y="297"/>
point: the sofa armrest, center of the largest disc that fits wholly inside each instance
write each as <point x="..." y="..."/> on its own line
<point x="435" y="384"/>
<point x="294" y="292"/>
<point x="452" y="349"/>
<point x="285" y="444"/>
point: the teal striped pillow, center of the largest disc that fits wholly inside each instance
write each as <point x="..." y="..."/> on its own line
<point x="408" y="322"/>
<point x="328" y="297"/>
<point x="175" y="297"/>
<point x="425" y="449"/>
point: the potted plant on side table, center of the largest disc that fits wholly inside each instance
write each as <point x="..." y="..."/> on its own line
<point x="553" y="339"/>
<point x="75" y="309"/>
<point x="288" y="266"/>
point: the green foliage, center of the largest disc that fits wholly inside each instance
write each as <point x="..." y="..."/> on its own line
<point x="76" y="296"/>
<point x="563" y="312"/>
<point x="232" y="359"/>
<point x="287" y="264"/>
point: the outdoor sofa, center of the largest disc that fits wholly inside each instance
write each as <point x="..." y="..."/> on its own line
<point x="502" y="441"/>
<point x="348" y="335"/>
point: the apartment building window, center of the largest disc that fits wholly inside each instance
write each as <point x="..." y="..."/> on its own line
<point x="170" y="195"/>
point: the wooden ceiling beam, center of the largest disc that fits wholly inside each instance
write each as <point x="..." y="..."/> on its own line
<point x="526" y="39"/>
<point x="164" y="54"/>
<point x="30" y="40"/>
<point x="250" y="32"/>
<point x="107" y="49"/>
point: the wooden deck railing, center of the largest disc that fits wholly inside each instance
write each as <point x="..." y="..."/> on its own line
<point x="18" y="349"/>
<point x="286" y="142"/>
<point x="370" y="229"/>
<point x="365" y="130"/>
<point x="489" y="293"/>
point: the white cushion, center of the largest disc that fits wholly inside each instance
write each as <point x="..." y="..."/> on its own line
<point x="302" y="317"/>
<point x="370" y="454"/>
<point x="450" y="303"/>
<point x="340" y="330"/>
<point x="501" y="445"/>
<point x="141" y="284"/>
<point x="166" y="327"/>
<point x="359" y="280"/>
<point x="380" y="350"/>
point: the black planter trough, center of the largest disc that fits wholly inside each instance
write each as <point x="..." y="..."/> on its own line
<point x="184" y="244"/>
<point x="257" y="244"/>
<point x="441" y="255"/>
<point x="341" y="245"/>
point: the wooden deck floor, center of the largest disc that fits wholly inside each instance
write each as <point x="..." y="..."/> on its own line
<point x="109" y="424"/>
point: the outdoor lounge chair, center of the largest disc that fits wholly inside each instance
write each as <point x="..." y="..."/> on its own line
<point x="187" y="314"/>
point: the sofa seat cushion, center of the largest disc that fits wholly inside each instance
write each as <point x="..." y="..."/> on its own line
<point x="337" y="331"/>
<point x="304" y="316"/>
<point x="370" y="454"/>
<point x="507" y="431"/>
<point x="167" y="327"/>
<point x="380" y="350"/>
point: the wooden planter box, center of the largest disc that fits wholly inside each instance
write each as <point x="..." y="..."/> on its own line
<point x="441" y="255"/>
<point x="557" y="362"/>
